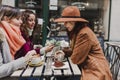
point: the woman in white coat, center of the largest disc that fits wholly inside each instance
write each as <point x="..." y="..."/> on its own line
<point x="7" y="64"/>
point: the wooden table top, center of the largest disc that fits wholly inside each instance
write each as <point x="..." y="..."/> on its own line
<point x="71" y="70"/>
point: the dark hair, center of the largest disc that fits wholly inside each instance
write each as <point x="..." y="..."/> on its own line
<point x="78" y="26"/>
<point x="9" y="11"/>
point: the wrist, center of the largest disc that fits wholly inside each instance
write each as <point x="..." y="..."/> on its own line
<point x="43" y="50"/>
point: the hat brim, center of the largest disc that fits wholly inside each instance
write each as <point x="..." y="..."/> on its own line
<point x="70" y="19"/>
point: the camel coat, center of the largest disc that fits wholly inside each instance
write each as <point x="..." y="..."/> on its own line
<point x="88" y="54"/>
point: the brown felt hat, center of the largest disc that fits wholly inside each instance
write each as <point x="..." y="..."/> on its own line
<point x="70" y="13"/>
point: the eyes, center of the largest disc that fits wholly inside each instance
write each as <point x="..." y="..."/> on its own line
<point x="69" y="23"/>
<point x="18" y="18"/>
<point x="31" y="20"/>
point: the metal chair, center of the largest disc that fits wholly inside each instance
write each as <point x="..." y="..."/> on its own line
<point x="112" y="53"/>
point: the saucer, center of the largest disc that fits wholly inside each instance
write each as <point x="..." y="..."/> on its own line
<point x="36" y="65"/>
<point x="65" y="66"/>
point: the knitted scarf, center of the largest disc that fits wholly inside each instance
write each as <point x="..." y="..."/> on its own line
<point x="14" y="37"/>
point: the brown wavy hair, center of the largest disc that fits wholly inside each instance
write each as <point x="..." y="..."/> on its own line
<point x="25" y="16"/>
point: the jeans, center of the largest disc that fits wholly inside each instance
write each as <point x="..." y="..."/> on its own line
<point x="68" y="78"/>
<point x="31" y="78"/>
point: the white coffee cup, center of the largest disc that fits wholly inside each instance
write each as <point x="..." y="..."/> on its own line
<point x="36" y="60"/>
<point x="59" y="55"/>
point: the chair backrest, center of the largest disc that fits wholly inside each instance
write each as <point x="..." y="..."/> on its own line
<point x="112" y="54"/>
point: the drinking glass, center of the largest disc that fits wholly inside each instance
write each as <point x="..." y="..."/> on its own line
<point x="49" y="64"/>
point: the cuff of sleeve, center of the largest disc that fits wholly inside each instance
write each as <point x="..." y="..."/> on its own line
<point x="42" y="50"/>
<point x="37" y="50"/>
<point x="19" y="63"/>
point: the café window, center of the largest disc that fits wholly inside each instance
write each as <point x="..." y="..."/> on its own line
<point x="96" y="11"/>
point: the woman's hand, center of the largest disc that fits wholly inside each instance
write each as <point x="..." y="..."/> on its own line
<point x="67" y="51"/>
<point x="49" y="48"/>
<point x="31" y="54"/>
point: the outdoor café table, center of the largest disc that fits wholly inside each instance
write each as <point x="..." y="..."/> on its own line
<point x="42" y="71"/>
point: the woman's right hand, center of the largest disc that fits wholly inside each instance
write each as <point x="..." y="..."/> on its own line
<point x="30" y="55"/>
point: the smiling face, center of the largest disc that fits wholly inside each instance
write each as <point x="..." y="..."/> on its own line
<point x="69" y="25"/>
<point x="16" y="21"/>
<point x="31" y="21"/>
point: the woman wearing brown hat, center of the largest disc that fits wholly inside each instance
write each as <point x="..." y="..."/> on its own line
<point x="86" y="49"/>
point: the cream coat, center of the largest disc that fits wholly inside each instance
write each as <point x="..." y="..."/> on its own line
<point x="7" y="65"/>
<point x="88" y="54"/>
